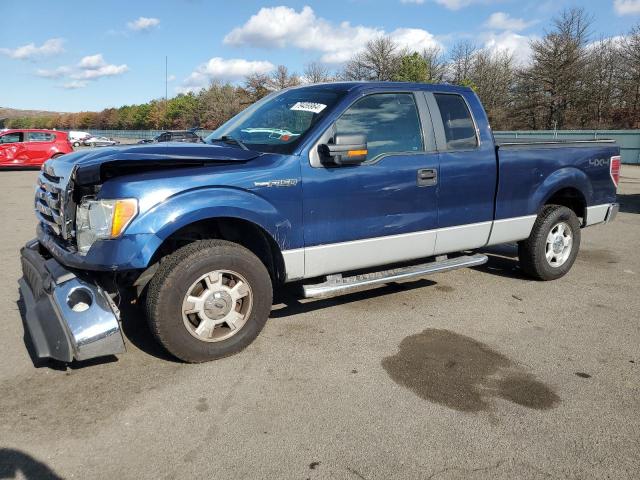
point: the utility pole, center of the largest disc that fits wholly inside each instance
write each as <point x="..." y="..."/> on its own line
<point x="166" y="81"/>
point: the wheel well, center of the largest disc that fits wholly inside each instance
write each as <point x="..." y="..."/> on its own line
<point x="242" y="232"/>
<point x="571" y="198"/>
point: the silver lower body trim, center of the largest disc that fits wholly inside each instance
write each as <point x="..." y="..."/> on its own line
<point x="599" y="214"/>
<point x="370" y="252"/>
<point x="511" y="229"/>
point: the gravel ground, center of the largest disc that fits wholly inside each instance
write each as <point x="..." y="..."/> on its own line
<point x="477" y="373"/>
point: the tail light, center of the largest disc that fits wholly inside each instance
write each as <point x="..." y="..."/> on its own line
<point x="614" y="169"/>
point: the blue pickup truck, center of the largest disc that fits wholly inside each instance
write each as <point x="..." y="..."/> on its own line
<point x="336" y="186"/>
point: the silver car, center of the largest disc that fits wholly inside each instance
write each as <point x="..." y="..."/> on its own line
<point x="100" y="142"/>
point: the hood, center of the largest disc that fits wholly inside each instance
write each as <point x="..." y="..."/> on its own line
<point x="97" y="165"/>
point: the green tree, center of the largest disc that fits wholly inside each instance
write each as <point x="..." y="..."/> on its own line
<point x="413" y="68"/>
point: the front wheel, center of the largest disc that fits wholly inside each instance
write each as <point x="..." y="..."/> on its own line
<point x="208" y="300"/>
<point x="553" y="245"/>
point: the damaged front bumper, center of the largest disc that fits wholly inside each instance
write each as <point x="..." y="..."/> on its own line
<point x="67" y="317"/>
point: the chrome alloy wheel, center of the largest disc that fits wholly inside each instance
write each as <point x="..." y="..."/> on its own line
<point x="559" y="243"/>
<point x="217" y="305"/>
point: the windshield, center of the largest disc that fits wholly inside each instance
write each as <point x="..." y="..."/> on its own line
<point x="278" y="123"/>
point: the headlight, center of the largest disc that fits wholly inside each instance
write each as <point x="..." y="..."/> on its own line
<point x="102" y="219"/>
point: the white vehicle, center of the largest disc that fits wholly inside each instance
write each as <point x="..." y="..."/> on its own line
<point x="78" y="138"/>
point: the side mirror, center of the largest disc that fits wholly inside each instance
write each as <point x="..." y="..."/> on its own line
<point x="345" y="150"/>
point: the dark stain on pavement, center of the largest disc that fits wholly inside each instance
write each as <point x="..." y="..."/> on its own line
<point x="314" y="465"/>
<point x="202" y="405"/>
<point x="444" y="288"/>
<point x="461" y="373"/>
<point x="583" y="375"/>
<point x="597" y="255"/>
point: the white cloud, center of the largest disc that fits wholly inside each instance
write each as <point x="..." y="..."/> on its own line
<point x="418" y="2"/>
<point x="503" y="21"/>
<point x="456" y="4"/>
<point x="217" y="68"/>
<point x="171" y="78"/>
<point x="92" y="61"/>
<point x="51" y="47"/>
<point x="627" y="7"/>
<point x="74" y="85"/>
<point x="279" y="27"/>
<point x="143" y="24"/>
<point x="414" y="39"/>
<point x="514" y="43"/>
<point x="93" y="67"/>
<point x="55" y="73"/>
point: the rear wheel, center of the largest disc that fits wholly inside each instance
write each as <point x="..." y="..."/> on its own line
<point x="208" y="300"/>
<point x="552" y="247"/>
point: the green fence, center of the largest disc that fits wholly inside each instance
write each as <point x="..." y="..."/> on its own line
<point x="629" y="140"/>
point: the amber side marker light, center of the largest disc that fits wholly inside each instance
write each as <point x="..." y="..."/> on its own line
<point x="123" y="213"/>
<point x="356" y="153"/>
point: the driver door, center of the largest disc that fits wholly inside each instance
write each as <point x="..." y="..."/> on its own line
<point x="383" y="210"/>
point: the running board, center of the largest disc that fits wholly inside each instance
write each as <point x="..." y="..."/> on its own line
<point x="338" y="285"/>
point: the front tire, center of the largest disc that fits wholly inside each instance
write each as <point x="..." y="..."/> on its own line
<point x="552" y="247"/>
<point x="208" y="300"/>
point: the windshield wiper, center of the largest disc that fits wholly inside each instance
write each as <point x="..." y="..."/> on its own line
<point x="230" y="139"/>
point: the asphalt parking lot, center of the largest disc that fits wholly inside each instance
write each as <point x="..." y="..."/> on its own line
<point x="469" y="374"/>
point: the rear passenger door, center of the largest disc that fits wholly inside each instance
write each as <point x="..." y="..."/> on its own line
<point x="468" y="172"/>
<point x="383" y="210"/>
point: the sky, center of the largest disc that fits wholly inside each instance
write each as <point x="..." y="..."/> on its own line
<point x="72" y="56"/>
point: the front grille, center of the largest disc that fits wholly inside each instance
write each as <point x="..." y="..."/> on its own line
<point x="50" y="204"/>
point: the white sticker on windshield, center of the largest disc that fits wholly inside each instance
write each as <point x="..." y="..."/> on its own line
<point x="309" y="107"/>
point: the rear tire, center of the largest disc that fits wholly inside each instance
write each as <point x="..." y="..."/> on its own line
<point x="552" y="247"/>
<point x="192" y="294"/>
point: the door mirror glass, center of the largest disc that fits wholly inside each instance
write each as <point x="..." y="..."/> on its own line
<point x="344" y="150"/>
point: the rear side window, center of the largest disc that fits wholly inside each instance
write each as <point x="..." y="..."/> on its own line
<point x="40" y="137"/>
<point x="389" y="120"/>
<point x="459" y="129"/>
<point x="14" y="137"/>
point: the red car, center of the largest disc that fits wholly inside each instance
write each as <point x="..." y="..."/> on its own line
<point x="31" y="148"/>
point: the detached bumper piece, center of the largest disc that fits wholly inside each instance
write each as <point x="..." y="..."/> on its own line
<point x="67" y="317"/>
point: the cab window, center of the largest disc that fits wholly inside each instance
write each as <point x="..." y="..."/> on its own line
<point x="459" y="129"/>
<point x="389" y="120"/>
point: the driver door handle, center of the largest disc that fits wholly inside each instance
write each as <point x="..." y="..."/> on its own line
<point x="427" y="177"/>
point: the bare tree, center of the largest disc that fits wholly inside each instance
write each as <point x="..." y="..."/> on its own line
<point x="316" y="72"/>
<point x="630" y="77"/>
<point x="598" y="85"/>
<point x="256" y="85"/>
<point x="461" y="62"/>
<point x="436" y="65"/>
<point x="281" y="79"/>
<point x="380" y="60"/>
<point x="559" y="61"/>
<point x="492" y="75"/>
